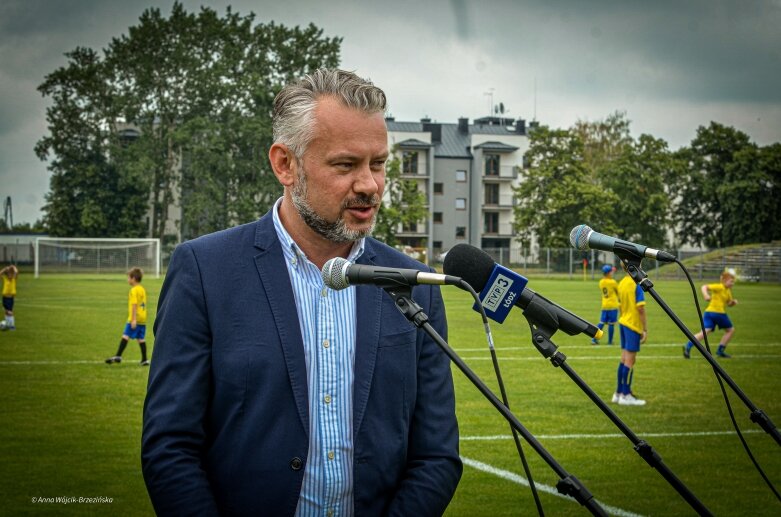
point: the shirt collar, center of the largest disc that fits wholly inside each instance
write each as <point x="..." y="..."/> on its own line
<point x="293" y="253"/>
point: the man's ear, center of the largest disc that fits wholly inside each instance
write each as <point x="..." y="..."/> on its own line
<point x="283" y="163"/>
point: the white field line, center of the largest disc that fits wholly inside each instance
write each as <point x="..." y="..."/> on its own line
<point x="38" y="363"/>
<point x="515" y="478"/>
<point x="605" y="346"/>
<point x="603" y="436"/>
<point x="735" y="357"/>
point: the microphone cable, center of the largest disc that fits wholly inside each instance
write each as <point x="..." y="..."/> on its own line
<point x="463" y="284"/>
<point x="721" y="385"/>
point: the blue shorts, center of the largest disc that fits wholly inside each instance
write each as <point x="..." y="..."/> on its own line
<point x="138" y="333"/>
<point x="630" y="340"/>
<point x="711" y="320"/>
<point x="8" y="303"/>
<point x="609" y="316"/>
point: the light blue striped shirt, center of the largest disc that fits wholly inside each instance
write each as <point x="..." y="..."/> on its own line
<point x="328" y="324"/>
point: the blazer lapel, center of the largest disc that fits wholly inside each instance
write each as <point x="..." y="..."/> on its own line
<point x="367" y="338"/>
<point x="279" y="292"/>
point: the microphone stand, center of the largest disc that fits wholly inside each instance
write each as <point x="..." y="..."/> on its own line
<point x="567" y="484"/>
<point x="634" y="269"/>
<point x="541" y="334"/>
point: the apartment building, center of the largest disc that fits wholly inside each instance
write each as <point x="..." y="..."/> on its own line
<point x="467" y="172"/>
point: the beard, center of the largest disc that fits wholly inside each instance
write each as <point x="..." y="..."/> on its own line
<point x="336" y="231"/>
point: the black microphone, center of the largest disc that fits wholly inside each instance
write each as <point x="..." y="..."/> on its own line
<point x="502" y="288"/>
<point x="339" y="273"/>
<point x="583" y="238"/>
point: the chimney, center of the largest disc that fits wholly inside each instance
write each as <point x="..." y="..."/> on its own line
<point x="520" y="126"/>
<point x="425" y="120"/>
<point x="390" y="119"/>
<point x="463" y="125"/>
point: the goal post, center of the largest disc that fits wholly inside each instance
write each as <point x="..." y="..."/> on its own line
<point x="96" y="255"/>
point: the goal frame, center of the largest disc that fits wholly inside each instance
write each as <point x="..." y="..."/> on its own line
<point x="155" y="242"/>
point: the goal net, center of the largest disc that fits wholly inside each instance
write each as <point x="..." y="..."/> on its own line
<point x="86" y="255"/>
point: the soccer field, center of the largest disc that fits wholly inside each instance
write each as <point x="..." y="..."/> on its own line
<point x="71" y="424"/>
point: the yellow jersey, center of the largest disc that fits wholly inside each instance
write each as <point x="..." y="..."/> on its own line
<point x="609" y="289"/>
<point x="720" y="296"/>
<point x="9" y="286"/>
<point x="631" y="296"/>
<point x="137" y="296"/>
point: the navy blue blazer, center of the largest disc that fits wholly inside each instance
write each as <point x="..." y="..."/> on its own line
<point x="225" y="417"/>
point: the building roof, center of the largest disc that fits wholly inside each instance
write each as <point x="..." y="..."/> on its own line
<point x="454" y="143"/>
<point x="497" y="146"/>
<point x="414" y="143"/>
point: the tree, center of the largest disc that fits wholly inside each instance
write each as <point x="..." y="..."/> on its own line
<point x="637" y="178"/>
<point x="405" y="204"/>
<point x="712" y="197"/>
<point x="88" y="196"/>
<point x="199" y="89"/>
<point x="558" y="191"/>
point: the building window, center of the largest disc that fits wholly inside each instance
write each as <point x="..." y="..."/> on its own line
<point x="437" y="217"/>
<point x="460" y="203"/>
<point x="409" y="163"/>
<point x="438" y="188"/>
<point x="491" y="193"/>
<point x="409" y="227"/>
<point x="461" y="176"/>
<point x="491" y="164"/>
<point x="460" y="232"/>
<point x="437" y="245"/>
<point x="491" y="222"/>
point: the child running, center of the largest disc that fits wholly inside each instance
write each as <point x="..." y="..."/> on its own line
<point x="720" y="297"/>
<point x="609" y="289"/>
<point x="136" y="318"/>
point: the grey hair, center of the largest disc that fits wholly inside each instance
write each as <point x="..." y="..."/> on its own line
<point x="294" y="105"/>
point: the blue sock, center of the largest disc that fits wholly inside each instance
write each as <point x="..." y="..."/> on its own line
<point x="630" y="372"/>
<point x="621" y="378"/>
<point x="721" y="349"/>
<point x="610" y="329"/>
<point x="689" y="346"/>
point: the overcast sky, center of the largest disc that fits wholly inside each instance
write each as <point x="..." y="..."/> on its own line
<point x="672" y="66"/>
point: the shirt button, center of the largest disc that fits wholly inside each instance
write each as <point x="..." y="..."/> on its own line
<point x="327" y="399"/>
<point x="326" y="344"/>
<point x="324" y="292"/>
<point x="330" y="513"/>
<point x="330" y="455"/>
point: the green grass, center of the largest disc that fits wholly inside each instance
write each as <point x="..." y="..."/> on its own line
<point x="71" y="424"/>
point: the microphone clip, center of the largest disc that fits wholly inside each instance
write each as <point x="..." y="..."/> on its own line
<point x="402" y="298"/>
<point x="634" y="268"/>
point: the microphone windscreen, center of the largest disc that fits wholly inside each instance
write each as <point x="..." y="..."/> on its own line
<point x="578" y="237"/>
<point x="472" y="264"/>
<point x="333" y="273"/>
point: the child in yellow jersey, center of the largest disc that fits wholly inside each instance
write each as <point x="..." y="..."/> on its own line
<point x="609" y="290"/>
<point x="9" y="274"/>
<point x="633" y="328"/>
<point x="136" y="318"/>
<point x="720" y="297"/>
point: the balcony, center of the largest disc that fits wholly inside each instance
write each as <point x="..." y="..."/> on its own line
<point x="506" y="173"/>
<point x="504" y="202"/>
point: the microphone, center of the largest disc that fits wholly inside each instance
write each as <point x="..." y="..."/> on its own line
<point x="339" y="273"/>
<point x="502" y="288"/>
<point x="583" y="238"/>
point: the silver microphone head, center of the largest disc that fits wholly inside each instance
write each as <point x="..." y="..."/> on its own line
<point x="578" y="237"/>
<point x="334" y="273"/>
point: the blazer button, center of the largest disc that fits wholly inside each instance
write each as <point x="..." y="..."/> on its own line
<point x="296" y="463"/>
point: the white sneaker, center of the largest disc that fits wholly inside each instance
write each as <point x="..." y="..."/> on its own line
<point x="616" y="398"/>
<point x="630" y="400"/>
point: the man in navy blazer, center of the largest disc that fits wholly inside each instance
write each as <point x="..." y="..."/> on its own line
<point x="232" y="409"/>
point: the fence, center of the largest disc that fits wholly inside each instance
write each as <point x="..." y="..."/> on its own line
<point x="754" y="264"/>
